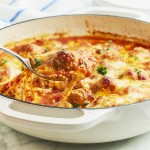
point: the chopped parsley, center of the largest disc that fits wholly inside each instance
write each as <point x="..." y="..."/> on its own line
<point x="38" y="62"/>
<point x="137" y="70"/>
<point x="85" y="104"/>
<point x="4" y="62"/>
<point x="108" y="48"/>
<point x="110" y="41"/>
<point x="136" y="58"/>
<point x="22" y="68"/>
<point x="102" y="70"/>
<point x="100" y="51"/>
<point x="45" y="50"/>
<point x="75" y="105"/>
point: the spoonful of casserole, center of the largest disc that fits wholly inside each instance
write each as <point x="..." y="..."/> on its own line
<point x="59" y="65"/>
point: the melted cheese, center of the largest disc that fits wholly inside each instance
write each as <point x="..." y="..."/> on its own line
<point x="126" y="79"/>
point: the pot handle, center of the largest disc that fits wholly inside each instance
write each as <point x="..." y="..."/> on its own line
<point x="114" y="11"/>
<point x="33" y="114"/>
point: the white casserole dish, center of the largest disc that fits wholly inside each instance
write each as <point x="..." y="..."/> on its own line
<point x="76" y="125"/>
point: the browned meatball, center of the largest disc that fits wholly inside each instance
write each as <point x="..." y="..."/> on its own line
<point x="80" y="97"/>
<point x="65" y="60"/>
<point x="106" y="84"/>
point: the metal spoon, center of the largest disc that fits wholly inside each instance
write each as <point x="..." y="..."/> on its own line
<point x="26" y="62"/>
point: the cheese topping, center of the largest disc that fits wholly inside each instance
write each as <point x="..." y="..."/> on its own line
<point x="97" y="71"/>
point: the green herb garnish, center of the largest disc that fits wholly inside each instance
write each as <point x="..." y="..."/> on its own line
<point x="22" y="68"/>
<point x="4" y="61"/>
<point x="85" y="104"/>
<point x="75" y="105"/>
<point x="38" y="62"/>
<point x="108" y="48"/>
<point x="100" y="51"/>
<point x="136" y="58"/>
<point x="102" y="70"/>
<point x="137" y="70"/>
<point x="110" y="41"/>
<point x="45" y="50"/>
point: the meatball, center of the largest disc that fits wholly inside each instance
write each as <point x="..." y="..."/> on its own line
<point x="65" y="60"/>
<point x="106" y="84"/>
<point x="80" y="97"/>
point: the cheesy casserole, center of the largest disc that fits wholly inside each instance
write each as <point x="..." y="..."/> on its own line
<point x="97" y="71"/>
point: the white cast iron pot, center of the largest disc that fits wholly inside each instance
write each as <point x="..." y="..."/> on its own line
<point x="76" y="125"/>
